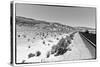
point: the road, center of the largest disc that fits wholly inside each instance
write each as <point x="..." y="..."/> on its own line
<point x="90" y="45"/>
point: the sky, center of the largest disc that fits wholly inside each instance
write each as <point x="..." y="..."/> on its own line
<point x="72" y="16"/>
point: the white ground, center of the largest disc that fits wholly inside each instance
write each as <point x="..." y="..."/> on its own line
<point x="79" y="50"/>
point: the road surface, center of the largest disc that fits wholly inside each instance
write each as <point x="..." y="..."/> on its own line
<point x="90" y="45"/>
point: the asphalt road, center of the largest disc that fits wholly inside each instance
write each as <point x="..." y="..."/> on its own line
<point x="90" y="45"/>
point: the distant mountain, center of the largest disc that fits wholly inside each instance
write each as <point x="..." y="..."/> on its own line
<point x="53" y="26"/>
<point x="29" y="21"/>
<point x="23" y="21"/>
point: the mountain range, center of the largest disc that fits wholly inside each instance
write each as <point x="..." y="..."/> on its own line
<point x="23" y="21"/>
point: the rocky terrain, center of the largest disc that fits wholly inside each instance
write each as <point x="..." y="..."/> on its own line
<point x="42" y="41"/>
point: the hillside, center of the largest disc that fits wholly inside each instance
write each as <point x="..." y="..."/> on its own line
<point x="42" y="41"/>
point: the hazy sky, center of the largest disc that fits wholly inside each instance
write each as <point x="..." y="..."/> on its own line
<point x="73" y="16"/>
